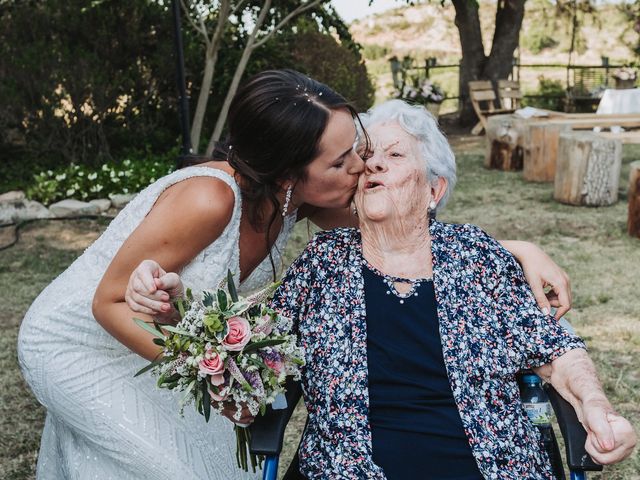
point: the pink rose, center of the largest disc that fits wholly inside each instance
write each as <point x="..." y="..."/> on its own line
<point x="213" y="365"/>
<point x="238" y="335"/>
<point x="275" y="365"/>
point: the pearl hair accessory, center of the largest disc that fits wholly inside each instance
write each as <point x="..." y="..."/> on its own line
<point x="287" y="200"/>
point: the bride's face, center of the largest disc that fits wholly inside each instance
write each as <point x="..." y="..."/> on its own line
<point x="332" y="177"/>
<point x="394" y="183"/>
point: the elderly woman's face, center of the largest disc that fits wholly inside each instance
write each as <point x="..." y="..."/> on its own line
<point x="394" y="182"/>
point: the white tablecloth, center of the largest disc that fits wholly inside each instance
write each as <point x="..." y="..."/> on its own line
<point x="620" y="101"/>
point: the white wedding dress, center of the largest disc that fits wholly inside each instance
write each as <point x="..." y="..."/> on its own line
<point x="102" y="423"/>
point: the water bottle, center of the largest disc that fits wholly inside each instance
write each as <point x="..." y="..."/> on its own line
<point x="536" y="403"/>
<point x="535" y="400"/>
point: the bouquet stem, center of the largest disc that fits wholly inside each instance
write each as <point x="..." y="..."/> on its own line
<point x="243" y="436"/>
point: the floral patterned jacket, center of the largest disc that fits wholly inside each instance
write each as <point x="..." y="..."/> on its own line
<point x="490" y="328"/>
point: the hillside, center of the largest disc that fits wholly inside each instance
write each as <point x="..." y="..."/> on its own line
<point x="428" y="30"/>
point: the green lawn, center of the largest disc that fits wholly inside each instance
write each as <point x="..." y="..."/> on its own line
<point x="591" y="244"/>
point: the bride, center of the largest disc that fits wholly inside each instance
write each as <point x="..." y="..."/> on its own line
<point x="290" y="157"/>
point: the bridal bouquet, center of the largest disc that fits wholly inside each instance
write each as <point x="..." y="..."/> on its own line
<point x="226" y="349"/>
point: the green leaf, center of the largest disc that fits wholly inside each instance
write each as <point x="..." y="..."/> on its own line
<point x="207" y="299"/>
<point x="189" y="294"/>
<point x="264" y="343"/>
<point x="222" y="300"/>
<point x="179" y="304"/>
<point x="171" y="329"/>
<point x="239" y="308"/>
<point x="232" y="286"/>
<point x="206" y="401"/>
<point x="256" y="361"/>
<point x="159" y="341"/>
<point x="155" y="363"/>
<point x="148" y="328"/>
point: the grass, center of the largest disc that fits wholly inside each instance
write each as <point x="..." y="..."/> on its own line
<point x="590" y="243"/>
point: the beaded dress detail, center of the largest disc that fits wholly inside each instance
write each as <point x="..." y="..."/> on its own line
<point x="102" y="423"/>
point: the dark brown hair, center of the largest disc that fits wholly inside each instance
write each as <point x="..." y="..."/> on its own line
<point x="275" y="123"/>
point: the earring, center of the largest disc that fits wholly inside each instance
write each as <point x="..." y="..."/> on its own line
<point x="354" y="210"/>
<point x="432" y="205"/>
<point x="287" y="200"/>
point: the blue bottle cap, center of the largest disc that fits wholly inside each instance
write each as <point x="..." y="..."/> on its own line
<point x="531" y="379"/>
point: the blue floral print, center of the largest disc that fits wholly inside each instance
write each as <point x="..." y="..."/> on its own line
<point x="490" y="328"/>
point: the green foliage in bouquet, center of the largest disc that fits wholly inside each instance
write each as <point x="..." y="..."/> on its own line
<point x="226" y="349"/>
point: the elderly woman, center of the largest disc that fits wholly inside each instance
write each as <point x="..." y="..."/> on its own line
<point x="414" y="331"/>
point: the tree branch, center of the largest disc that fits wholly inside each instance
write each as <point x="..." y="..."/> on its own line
<point x="200" y="29"/>
<point x="285" y="20"/>
<point x="235" y="9"/>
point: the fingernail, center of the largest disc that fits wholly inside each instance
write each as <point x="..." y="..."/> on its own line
<point x="165" y="307"/>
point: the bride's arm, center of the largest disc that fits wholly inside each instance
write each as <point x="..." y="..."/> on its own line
<point x="189" y="216"/>
<point x="542" y="272"/>
<point x="539" y="269"/>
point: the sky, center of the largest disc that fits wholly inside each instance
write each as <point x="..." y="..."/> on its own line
<point x="351" y="10"/>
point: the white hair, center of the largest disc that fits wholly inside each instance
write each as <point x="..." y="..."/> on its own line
<point x="419" y="123"/>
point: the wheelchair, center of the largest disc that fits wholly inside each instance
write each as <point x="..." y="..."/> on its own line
<point x="267" y="434"/>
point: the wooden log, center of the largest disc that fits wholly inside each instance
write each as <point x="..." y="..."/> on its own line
<point x="505" y="135"/>
<point x="633" y="220"/>
<point x="588" y="169"/>
<point x="541" y="150"/>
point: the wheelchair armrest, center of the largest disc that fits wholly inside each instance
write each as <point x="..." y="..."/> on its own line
<point x="267" y="431"/>
<point x="573" y="433"/>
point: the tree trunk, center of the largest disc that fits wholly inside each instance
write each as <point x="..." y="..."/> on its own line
<point x="633" y="222"/>
<point x="475" y="65"/>
<point x="237" y="76"/>
<point x="471" y="65"/>
<point x="211" y="57"/>
<point x="588" y="169"/>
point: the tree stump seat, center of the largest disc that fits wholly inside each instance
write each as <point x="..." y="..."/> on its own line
<point x="633" y="221"/>
<point x="587" y="169"/>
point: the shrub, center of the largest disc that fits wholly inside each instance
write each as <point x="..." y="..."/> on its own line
<point x="554" y="94"/>
<point x="321" y="57"/>
<point x="85" y="183"/>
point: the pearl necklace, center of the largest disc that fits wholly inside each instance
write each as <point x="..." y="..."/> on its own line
<point x="390" y="282"/>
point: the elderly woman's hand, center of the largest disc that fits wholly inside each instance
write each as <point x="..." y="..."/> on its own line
<point x="610" y="437"/>
<point x="541" y="272"/>
<point x="150" y="290"/>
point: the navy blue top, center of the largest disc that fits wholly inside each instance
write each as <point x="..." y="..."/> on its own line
<point x="415" y="425"/>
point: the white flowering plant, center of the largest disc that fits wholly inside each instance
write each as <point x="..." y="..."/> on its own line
<point x="226" y="349"/>
<point x="626" y="73"/>
<point x="424" y="91"/>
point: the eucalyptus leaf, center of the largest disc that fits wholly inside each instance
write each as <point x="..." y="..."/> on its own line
<point x="179" y="331"/>
<point x="148" y="328"/>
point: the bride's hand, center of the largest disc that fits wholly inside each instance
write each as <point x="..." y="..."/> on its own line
<point x="150" y="289"/>
<point x="543" y="273"/>
<point x="230" y="410"/>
